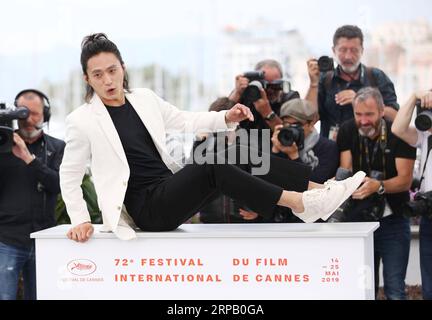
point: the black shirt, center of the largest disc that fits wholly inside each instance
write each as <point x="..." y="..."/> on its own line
<point x="28" y="193"/>
<point x="349" y="139"/>
<point x="327" y="153"/>
<point x="145" y="163"/>
<point x="332" y="114"/>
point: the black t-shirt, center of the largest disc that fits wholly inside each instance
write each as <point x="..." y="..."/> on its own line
<point x="349" y="139"/>
<point x="145" y="163"/>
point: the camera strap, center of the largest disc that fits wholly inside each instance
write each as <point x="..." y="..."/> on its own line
<point x="371" y="78"/>
<point x="369" y="75"/>
<point x="427" y="157"/>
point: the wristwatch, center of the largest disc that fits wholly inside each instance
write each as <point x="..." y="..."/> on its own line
<point x="381" y="189"/>
<point x="271" y="116"/>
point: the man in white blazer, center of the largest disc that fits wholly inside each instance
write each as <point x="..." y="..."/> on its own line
<point x="122" y="132"/>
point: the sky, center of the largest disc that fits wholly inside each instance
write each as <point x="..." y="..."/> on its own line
<point x="41" y="39"/>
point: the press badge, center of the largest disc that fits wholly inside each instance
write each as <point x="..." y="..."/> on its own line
<point x="333" y="132"/>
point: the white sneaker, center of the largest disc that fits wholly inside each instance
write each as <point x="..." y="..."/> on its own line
<point x="322" y="203"/>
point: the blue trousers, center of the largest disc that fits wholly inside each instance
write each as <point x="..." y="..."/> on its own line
<point x="426" y="256"/>
<point x="13" y="261"/>
<point x="392" y="245"/>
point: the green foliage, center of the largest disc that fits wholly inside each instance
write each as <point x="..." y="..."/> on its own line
<point x="90" y="198"/>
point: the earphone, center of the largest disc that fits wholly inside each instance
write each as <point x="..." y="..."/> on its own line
<point x="46" y="102"/>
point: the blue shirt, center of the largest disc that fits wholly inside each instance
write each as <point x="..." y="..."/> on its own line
<point x="332" y="114"/>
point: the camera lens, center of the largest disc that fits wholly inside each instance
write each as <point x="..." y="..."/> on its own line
<point x="287" y="137"/>
<point x="325" y="64"/>
<point x="251" y="94"/>
<point x="423" y="122"/>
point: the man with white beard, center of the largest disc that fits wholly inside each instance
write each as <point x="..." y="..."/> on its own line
<point x="332" y="92"/>
<point x="366" y="143"/>
<point x="29" y="187"/>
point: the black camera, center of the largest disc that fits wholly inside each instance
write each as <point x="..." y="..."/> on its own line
<point x="292" y="133"/>
<point x="6" y="127"/>
<point x="254" y="75"/>
<point x="257" y="82"/>
<point x="325" y="64"/>
<point x="421" y="206"/>
<point x="423" y="122"/>
<point x="252" y="93"/>
<point x="365" y="210"/>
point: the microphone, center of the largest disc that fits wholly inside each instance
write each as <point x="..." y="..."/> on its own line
<point x="39" y="126"/>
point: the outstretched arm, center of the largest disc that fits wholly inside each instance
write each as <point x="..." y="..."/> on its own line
<point x="401" y="125"/>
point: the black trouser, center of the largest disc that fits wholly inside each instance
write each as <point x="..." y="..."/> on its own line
<point x="173" y="201"/>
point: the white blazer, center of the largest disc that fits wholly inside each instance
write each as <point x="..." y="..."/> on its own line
<point x="92" y="137"/>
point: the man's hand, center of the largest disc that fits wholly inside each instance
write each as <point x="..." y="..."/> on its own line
<point x="238" y="113"/>
<point x="369" y="187"/>
<point x="291" y="152"/>
<point x="248" y="215"/>
<point x="425" y="97"/>
<point x="262" y="105"/>
<point x="345" y="97"/>
<point x="313" y="71"/>
<point x="81" y="232"/>
<point x="20" y="149"/>
<point x="241" y="83"/>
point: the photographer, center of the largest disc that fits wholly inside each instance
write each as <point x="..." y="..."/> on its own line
<point x="298" y="140"/>
<point x="367" y="143"/>
<point x="223" y="209"/>
<point x="267" y="107"/>
<point x="29" y="177"/>
<point x="264" y="93"/>
<point x="332" y="90"/>
<point x="318" y="152"/>
<point x="420" y="138"/>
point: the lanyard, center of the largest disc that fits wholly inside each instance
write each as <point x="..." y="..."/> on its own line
<point x="381" y="143"/>
<point x="370" y="159"/>
<point x="427" y="157"/>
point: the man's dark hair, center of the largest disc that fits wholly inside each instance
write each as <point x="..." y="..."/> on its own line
<point x="91" y="46"/>
<point x="221" y="104"/>
<point x="349" y="32"/>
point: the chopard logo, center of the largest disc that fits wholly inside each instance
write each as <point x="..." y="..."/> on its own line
<point x="81" y="267"/>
